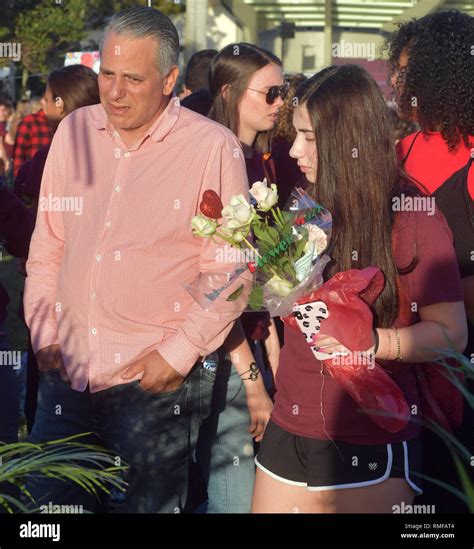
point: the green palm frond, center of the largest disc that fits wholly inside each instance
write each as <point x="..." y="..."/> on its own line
<point x="87" y="465"/>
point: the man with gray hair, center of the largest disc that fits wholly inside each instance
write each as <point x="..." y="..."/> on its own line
<point x="119" y="341"/>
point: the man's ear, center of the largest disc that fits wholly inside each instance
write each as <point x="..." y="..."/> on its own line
<point x="169" y="81"/>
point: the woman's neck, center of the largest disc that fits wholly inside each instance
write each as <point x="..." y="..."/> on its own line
<point x="247" y="136"/>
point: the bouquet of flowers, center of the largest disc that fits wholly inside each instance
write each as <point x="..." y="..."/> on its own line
<point x="283" y="250"/>
<point x="287" y="264"/>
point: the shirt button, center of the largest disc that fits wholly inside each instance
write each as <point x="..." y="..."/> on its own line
<point x="108" y="224"/>
<point x="94" y="331"/>
<point x="93" y="295"/>
<point x="127" y="154"/>
<point x="117" y="188"/>
<point x="98" y="257"/>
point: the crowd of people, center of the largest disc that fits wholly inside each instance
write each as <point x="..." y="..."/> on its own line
<point x="229" y="411"/>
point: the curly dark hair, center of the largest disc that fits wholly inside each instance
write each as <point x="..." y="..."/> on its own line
<point x="439" y="77"/>
<point x="284" y="127"/>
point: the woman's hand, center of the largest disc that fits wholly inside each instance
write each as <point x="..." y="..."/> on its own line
<point x="260" y="407"/>
<point x="328" y="344"/>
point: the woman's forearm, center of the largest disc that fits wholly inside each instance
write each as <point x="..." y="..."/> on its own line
<point x="420" y="342"/>
<point x="272" y="346"/>
<point x="241" y="355"/>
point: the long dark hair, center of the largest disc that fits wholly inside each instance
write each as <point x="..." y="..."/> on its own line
<point x="233" y="68"/>
<point x="76" y="85"/>
<point x="358" y="174"/>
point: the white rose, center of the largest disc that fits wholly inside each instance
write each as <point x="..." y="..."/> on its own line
<point x="318" y="237"/>
<point x="234" y="231"/>
<point x="279" y="286"/>
<point x="238" y="236"/>
<point x="266" y="197"/>
<point x="239" y="211"/>
<point x="203" y="226"/>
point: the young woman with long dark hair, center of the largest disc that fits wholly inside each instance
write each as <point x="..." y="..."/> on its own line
<point x="319" y="452"/>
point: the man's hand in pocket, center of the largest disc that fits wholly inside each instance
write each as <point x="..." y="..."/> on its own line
<point x="50" y="358"/>
<point x="158" y="375"/>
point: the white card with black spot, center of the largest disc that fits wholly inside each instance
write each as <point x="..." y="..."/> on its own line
<point x="309" y="317"/>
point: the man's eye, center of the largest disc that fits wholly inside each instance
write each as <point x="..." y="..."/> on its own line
<point x="133" y="79"/>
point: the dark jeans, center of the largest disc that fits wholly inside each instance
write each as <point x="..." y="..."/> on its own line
<point x="155" y="434"/>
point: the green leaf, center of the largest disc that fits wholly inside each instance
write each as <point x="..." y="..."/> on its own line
<point x="286" y="230"/>
<point x="256" y="298"/>
<point x="264" y="247"/>
<point x="267" y="234"/>
<point x="300" y="246"/>
<point x="234" y="296"/>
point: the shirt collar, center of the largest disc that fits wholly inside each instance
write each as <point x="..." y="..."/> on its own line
<point x="160" y="129"/>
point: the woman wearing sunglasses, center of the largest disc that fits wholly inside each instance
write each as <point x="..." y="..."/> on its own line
<point x="320" y="453"/>
<point x="247" y="89"/>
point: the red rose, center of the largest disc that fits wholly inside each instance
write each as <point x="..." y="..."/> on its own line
<point x="211" y="205"/>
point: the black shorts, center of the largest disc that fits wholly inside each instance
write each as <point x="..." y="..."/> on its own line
<point x="327" y="465"/>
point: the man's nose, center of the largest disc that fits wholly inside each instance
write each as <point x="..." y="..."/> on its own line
<point x="117" y="89"/>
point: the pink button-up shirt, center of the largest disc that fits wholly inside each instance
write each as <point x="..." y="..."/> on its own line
<point x="106" y="271"/>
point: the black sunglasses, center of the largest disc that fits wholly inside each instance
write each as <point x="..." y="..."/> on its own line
<point x="272" y="94"/>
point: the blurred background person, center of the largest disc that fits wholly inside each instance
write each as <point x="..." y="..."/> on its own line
<point x="432" y="72"/>
<point x="196" y="94"/>
<point x="33" y="133"/>
<point x="281" y="138"/>
<point x="21" y="110"/>
<point x="16" y="227"/>
<point x="401" y="127"/>
<point x="6" y="112"/>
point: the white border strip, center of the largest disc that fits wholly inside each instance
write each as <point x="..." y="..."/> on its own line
<point x="337" y="486"/>
<point x="276" y="477"/>
<point x="407" y="470"/>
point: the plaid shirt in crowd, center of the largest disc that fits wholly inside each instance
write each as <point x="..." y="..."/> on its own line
<point x="33" y="134"/>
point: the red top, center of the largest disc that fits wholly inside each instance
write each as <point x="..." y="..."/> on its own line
<point x="33" y="134"/>
<point x="299" y="381"/>
<point x="430" y="163"/>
